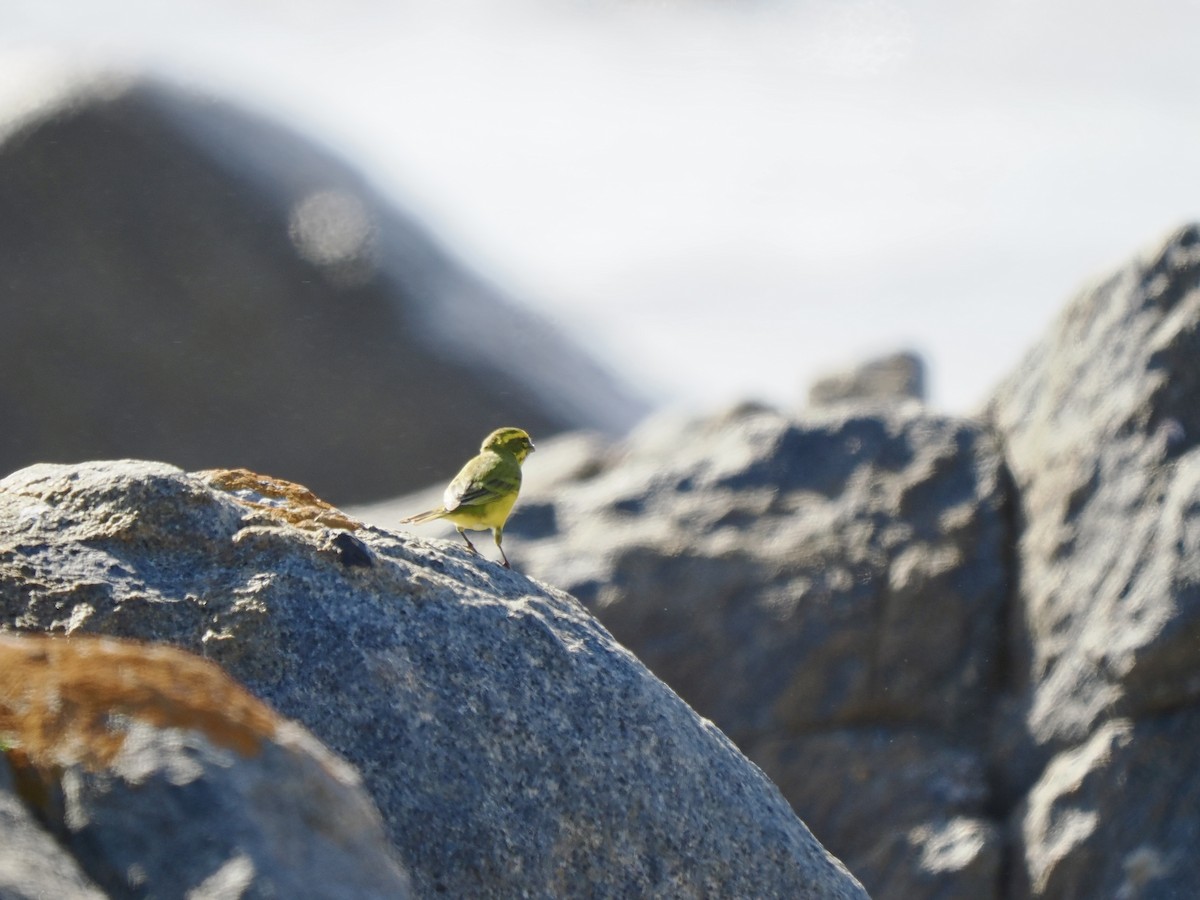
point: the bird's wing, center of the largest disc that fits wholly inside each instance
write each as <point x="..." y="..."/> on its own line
<point x="484" y="479"/>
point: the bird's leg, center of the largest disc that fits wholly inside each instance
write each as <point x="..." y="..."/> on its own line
<point x="498" y="532"/>
<point x="468" y="540"/>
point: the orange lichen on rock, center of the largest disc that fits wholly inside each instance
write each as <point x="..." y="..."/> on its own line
<point x="291" y="502"/>
<point x="66" y="701"/>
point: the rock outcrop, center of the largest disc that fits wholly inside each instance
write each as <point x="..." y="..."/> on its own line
<point x="159" y="776"/>
<point x="511" y="745"/>
<point x="887" y="380"/>
<point x="1101" y="428"/>
<point x="186" y="281"/>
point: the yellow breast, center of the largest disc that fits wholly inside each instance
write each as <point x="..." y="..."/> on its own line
<point x="485" y="516"/>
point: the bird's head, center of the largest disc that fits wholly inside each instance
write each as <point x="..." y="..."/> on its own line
<point x="511" y="440"/>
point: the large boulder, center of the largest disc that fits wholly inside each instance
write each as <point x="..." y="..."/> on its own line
<point x="512" y="746"/>
<point x="830" y="590"/>
<point x="185" y="280"/>
<point x="161" y="777"/>
<point x="1101" y="427"/>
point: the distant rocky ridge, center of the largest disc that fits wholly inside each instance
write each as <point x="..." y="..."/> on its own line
<point x="888" y="379"/>
<point x="184" y="280"/>
<point x="967" y="649"/>
<point x="512" y="747"/>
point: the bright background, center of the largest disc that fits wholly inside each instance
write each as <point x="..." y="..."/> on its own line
<point x="723" y="200"/>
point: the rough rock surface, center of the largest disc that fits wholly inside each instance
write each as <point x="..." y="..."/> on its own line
<point x="33" y="865"/>
<point x="1118" y="815"/>
<point x="160" y="245"/>
<point x="162" y="777"/>
<point x="1101" y="426"/>
<point x="829" y="590"/>
<point x="909" y="808"/>
<point x="513" y="747"/>
<point x="839" y="548"/>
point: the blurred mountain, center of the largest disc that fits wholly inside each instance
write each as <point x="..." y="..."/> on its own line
<point x="184" y="280"/>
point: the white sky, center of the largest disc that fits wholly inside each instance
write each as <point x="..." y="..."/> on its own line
<point x="724" y="200"/>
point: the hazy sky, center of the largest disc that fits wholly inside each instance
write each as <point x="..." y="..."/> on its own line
<point x="725" y="199"/>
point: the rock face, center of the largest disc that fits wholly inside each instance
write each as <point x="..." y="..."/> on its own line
<point x="839" y="548"/>
<point x="512" y="746"/>
<point x="160" y="245"/>
<point x="162" y="777"/>
<point x="33" y="865"/>
<point x="1117" y="815"/>
<point x="1101" y="425"/>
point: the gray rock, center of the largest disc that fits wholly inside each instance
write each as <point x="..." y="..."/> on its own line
<point x="1100" y="425"/>
<point x="905" y="806"/>
<point x="33" y="866"/>
<point x="786" y="575"/>
<point x="164" y="778"/>
<point x="794" y="580"/>
<point x="887" y="380"/>
<point x="1117" y="816"/>
<point x="317" y="331"/>
<point x="513" y="747"/>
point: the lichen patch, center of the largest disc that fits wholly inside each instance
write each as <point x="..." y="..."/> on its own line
<point x="67" y="701"/>
<point x="278" y="498"/>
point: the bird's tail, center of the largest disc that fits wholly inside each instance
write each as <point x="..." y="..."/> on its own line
<point x="427" y="516"/>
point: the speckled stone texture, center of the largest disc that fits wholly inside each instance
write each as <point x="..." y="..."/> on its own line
<point x="512" y="746"/>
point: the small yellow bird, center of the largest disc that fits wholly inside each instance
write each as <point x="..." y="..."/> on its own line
<point x="482" y="494"/>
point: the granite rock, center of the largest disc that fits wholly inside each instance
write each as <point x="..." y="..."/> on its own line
<point x="511" y="745"/>
<point x="1116" y="816"/>
<point x="907" y="809"/>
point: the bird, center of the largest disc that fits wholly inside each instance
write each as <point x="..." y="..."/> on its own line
<point x="482" y="494"/>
